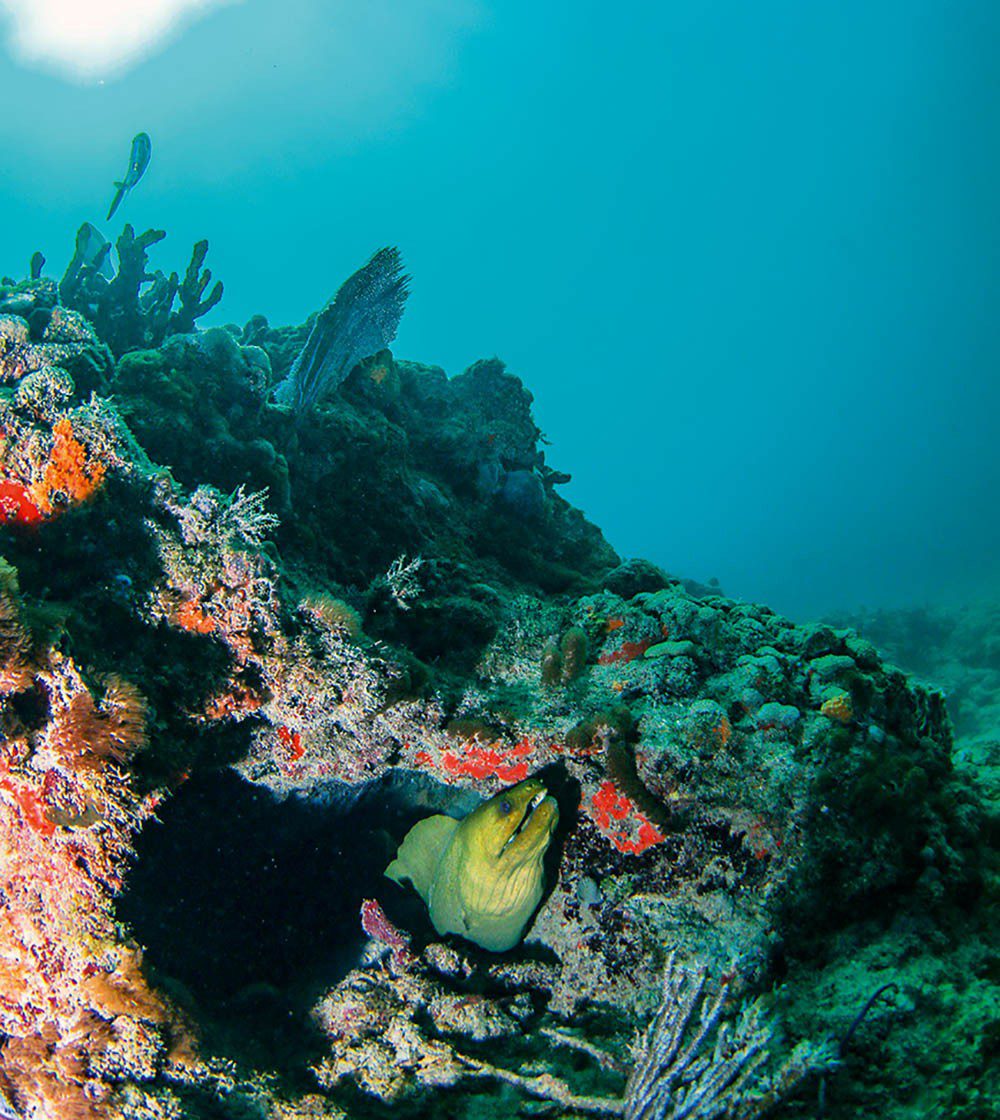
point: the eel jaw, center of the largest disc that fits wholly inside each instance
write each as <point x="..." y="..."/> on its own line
<point x="526" y="816"/>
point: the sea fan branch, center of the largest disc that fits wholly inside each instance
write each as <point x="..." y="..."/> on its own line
<point x="361" y="320"/>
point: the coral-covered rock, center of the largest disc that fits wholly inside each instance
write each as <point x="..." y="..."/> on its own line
<point x="342" y="614"/>
<point x="76" y="1013"/>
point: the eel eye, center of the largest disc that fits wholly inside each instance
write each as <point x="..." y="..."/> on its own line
<point x="505" y="806"/>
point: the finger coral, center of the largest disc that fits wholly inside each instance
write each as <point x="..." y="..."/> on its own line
<point x="131" y="306"/>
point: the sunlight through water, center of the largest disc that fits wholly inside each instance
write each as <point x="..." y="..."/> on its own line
<point x="91" y="40"/>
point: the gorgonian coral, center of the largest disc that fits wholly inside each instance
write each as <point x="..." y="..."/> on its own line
<point x="361" y="320"/>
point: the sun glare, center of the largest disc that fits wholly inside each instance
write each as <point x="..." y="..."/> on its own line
<point x="95" y="39"/>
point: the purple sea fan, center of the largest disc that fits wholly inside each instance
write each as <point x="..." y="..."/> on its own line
<point x="693" y="1064"/>
<point x="360" y="320"/>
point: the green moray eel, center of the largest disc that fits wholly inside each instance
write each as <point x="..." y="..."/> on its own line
<point x="481" y="877"/>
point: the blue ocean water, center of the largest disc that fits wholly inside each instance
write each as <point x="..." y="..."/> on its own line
<point x="743" y="255"/>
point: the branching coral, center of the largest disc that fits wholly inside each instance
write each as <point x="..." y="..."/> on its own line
<point x="133" y="308"/>
<point x="212" y="519"/>
<point x="191" y="291"/>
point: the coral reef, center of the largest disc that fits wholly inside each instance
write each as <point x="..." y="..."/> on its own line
<point x="76" y="1012"/>
<point x="394" y="1033"/>
<point x="260" y="664"/>
<point x="957" y="647"/>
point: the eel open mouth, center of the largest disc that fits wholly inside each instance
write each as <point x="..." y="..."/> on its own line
<point x="529" y="811"/>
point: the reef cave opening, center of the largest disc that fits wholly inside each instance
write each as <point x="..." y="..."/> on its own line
<point x="248" y="906"/>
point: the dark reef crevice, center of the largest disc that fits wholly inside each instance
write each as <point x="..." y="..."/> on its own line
<point x="248" y="907"/>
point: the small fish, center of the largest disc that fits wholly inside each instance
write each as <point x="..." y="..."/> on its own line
<point x="93" y="246"/>
<point x="138" y="161"/>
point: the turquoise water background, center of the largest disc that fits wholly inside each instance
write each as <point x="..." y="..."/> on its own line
<point x="744" y="255"/>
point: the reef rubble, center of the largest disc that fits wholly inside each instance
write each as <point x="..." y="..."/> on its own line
<point x="245" y="646"/>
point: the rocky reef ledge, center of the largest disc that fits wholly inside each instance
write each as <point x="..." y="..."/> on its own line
<point x="249" y="637"/>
